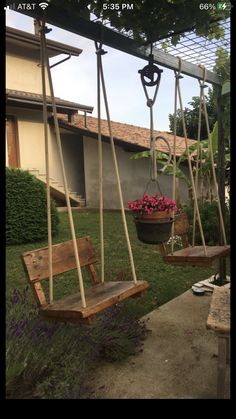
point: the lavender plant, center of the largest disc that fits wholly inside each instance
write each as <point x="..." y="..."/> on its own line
<point x="54" y="360"/>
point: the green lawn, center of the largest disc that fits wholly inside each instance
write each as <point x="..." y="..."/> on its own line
<point x="52" y="359"/>
<point x="166" y="281"/>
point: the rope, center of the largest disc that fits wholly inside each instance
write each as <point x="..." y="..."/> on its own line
<point x="174" y="162"/>
<point x="99" y="51"/>
<point x="202" y="86"/>
<point x="213" y="167"/>
<point x="117" y="172"/>
<point x="150" y="104"/>
<point x="159" y="137"/>
<point x="178" y="76"/>
<point x="47" y="159"/>
<point x="149" y="72"/>
<point x="152" y="145"/>
<point x="63" y="170"/>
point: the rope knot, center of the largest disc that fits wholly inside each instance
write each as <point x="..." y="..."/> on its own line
<point x="178" y="76"/>
<point x="178" y="73"/>
<point x="101" y="51"/>
<point x="150" y="103"/>
<point x="44" y="29"/>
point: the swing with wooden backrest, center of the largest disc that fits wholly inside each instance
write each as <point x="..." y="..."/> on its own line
<point x="193" y="255"/>
<point x="98" y="297"/>
<point x="44" y="263"/>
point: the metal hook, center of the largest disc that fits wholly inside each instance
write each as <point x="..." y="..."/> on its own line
<point x="160" y="137"/>
<point x="158" y="185"/>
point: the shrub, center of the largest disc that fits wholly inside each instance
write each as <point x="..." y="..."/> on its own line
<point x="210" y="222"/>
<point x="26" y="208"/>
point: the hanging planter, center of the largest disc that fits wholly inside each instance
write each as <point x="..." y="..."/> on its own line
<point x="153" y="231"/>
<point x="153" y="217"/>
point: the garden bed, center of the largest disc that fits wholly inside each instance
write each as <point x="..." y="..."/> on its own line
<point x="60" y="361"/>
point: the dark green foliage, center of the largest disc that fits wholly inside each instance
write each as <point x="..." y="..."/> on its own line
<point x="222" y="68"/>
<point x="192" y="116"/>
<point x="210" y="222"/>
<point x="26" y="208"/>
<point x="48" y="360"/>
<point x="149" y="20"/>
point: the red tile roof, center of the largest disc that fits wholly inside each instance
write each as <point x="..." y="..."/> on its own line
<point x="127" y="133"/>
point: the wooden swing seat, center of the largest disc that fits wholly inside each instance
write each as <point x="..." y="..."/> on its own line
<point x="69" y="309"/>
<point x="191" y="256"/>
<point x="195" y="256"/>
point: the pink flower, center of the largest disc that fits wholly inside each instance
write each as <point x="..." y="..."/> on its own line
<point x="149" y="204"/>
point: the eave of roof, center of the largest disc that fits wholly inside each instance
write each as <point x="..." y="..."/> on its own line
<point x="130" y="137"/>
<point x="18" y="38"/>
<point x="35" y="100"/>
<point x="83" y="131"/>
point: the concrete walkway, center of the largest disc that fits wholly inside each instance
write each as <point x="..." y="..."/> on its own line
<point x="179" y="358"/>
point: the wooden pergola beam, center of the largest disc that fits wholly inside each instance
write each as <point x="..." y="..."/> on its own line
<point x="54" y="15"/>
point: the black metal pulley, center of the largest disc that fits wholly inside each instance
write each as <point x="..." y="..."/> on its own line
<point x="150" y="72"/>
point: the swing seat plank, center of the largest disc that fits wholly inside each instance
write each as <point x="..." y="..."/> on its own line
<point x="196" y="255"/>
<point x="98" y="298"/>
<point x="69" y="309"/>
<point x="188" y="255"/>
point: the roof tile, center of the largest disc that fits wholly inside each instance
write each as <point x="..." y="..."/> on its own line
<point x="129" y="133"/>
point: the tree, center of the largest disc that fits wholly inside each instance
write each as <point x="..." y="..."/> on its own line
<point x="222" y="68"/>
<point x="148" y="20"/>
<point x="191" y="117"/>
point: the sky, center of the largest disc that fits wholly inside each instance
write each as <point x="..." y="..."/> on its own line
<point x="75" y="79"/>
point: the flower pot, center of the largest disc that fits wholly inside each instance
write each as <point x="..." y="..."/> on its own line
<point x="153" y="231"/>
<point x="156" y="215"/>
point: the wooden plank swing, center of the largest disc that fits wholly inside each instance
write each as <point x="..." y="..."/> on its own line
<point x="191" y="255"/>
<point x="98" y="297"/>
<point x="202" y="256"/>
<point x="44" y="263"/>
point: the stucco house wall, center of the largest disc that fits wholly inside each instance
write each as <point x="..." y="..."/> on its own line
<point x="32" y="149"/>
<point x="80" y="152"/>
<point x="73" y="153"/>
<point x="23" y="74"/>
<point x="31" y="138"/>
<point x="134" y="175"/>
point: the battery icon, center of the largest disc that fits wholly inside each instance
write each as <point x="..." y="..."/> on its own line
<point x="221" y="6"/>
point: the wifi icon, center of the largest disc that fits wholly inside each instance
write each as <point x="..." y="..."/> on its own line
<point x="43" y="5"/>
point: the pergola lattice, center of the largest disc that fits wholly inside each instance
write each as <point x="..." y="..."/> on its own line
<point x="198" y="49"/>
<point x="193" y="50"/>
